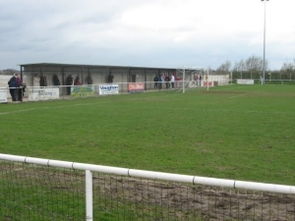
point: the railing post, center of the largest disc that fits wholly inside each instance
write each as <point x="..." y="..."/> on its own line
<point x="89" y="195"/>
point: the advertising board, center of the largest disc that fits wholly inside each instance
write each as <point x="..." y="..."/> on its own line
<point x="82" y="91"/>
<point x="136" y="87"/>
<point x="245" y="81"/>
<point x="3" y="96"/>
<point x="36" y="94"/>
<point x="107" y="89"/>
<point x="208" y="84"/>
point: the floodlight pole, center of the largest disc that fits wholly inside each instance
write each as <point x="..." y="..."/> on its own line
<point x="264" y="37"/>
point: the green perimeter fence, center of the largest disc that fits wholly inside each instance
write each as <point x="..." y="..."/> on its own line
<point x="39" y="189"/>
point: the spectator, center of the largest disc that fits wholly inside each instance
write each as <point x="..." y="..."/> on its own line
<point x="77" y="81"/>
<point x="110" y="78"/>
<point x="69" y="82"/>
<point x="156" y="81"/>
<point x="43" y="81"/>
<point x="167" y="80"/>
<point x="12" y="87"/>
<point x="162" y="79"/>
<point x="19" y="88"/>
<point x="200" y="80"/>
<point x="55" y="80"/>
<point x="172" y="80"/>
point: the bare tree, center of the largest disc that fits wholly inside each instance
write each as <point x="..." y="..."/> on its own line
<point x="254" y="63"/>
<point x="288" y="69"/>
<point x="239" y="66"/>
<point x="249" y="68"/>
<point x="224" y="68"/>
<point x="9" y="71"/>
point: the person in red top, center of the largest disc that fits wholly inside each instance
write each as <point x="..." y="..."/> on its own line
<point x="77" y="81"/>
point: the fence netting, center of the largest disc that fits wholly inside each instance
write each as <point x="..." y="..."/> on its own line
<point x="125" y="198"/>
<point x="30" y="192"/>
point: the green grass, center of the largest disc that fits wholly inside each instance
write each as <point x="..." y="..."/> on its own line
<point x="236" y="132"/>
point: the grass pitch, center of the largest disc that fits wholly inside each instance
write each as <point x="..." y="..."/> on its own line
<point x="236" y="132"/>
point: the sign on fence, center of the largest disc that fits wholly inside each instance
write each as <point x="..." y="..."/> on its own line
<point x="107" y="89"/>
<point x="245" y="81"/>
<point x="81" y="91"/>
<point x="136" y="87"/>
<point x="208" y="83"/>
<point x="36" y="94"/>
<point x="3" y="96"/>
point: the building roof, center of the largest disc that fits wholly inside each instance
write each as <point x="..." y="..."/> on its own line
<point x="91" y="66"/>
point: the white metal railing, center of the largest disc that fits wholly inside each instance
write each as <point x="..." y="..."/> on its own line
<point x="36" y="93"/>
<point x="89" y="168"/>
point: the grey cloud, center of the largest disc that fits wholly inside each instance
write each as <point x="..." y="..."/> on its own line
<point x="44" y="31"/>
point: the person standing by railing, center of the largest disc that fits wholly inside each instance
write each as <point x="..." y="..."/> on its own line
<point x="156" y="81"/>
<point x="167" y="81"/>
<point x="19" y="88"/>
<point x="77" y="81"/>
<point x="172" y="80"/>
<point x="162" y="81"/>
<point x="12" y="87"/>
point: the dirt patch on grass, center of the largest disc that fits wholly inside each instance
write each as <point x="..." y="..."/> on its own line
<point x="187" y="202"/>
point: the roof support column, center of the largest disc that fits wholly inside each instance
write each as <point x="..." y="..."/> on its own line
<point x="21" y="72"/>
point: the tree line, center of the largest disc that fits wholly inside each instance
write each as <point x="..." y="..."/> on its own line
<point x="9" y="72"/>
<point x="251" y="68"/>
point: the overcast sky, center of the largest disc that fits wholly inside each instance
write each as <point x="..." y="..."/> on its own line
<point x="162" y="33"/>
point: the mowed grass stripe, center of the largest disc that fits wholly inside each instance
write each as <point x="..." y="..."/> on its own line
<point x="238" y="132"/>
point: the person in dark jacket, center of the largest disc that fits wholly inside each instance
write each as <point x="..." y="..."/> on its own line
<point x="156" y="81"/>
<point x="19" y="89"/>
<point x="13" y="87"/>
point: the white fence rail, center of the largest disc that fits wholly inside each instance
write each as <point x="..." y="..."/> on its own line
<point x="235" y="184"/>
<point x="194" y="180"/>
<point x="36" y="93"/>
